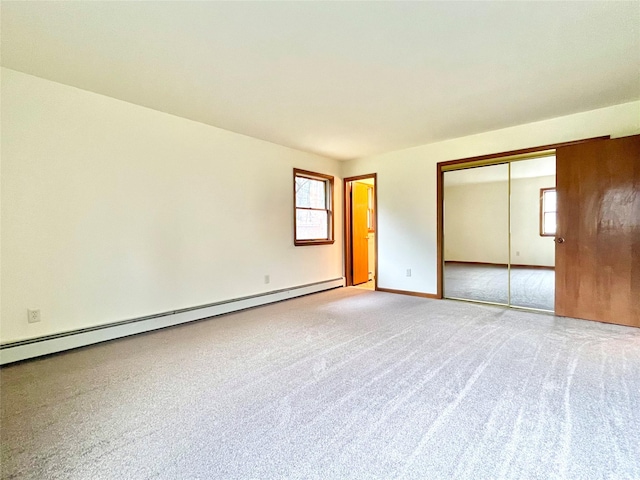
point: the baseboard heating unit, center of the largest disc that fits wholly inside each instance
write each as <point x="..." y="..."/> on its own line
<point x="34" y="347"/>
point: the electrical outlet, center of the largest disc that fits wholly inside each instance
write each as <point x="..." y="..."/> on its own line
<point x="408" y="272"/>
<point x="267" y="279"/>
<point x="517" y="254"/>
<point x="33" y="316"/>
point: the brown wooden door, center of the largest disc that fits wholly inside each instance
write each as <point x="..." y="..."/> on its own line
<point x="360" y="233"/>
<point x="598" y="237"/>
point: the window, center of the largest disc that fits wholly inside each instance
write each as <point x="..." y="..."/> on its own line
<point x="548" y="212"/>
<point x="313" y="204"/>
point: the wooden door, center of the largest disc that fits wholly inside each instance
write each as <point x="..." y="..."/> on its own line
<point x="360" y="232"/>
<point x="598" y="236"/>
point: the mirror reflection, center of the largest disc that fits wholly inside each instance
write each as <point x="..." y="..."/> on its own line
<point x="533" y="229"/>
<point x="499" y="231"/>
<point x="476" y="234"/>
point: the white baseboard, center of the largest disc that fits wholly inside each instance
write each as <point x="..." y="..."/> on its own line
<point x="36" y="347"/>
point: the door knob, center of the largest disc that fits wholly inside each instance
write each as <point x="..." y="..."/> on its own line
<point x="560" y="240"/>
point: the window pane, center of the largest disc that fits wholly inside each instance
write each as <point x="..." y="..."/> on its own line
<point x="550" y="201"/>
<point x="312" y="225"/>
<point x="310" y="193"/>
<point x="550" y="223"/>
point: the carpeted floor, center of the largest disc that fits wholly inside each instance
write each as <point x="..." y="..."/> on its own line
<point x="370" y="285"/>
<point x="347" y="384"/>
<point x="530" y="287"/>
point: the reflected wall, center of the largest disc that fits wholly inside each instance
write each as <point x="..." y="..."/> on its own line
<point x="476" y="234"/>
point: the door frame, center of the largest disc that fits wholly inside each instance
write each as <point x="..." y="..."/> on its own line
<point x="346" y="218"/>
<point x="480" y="160"/>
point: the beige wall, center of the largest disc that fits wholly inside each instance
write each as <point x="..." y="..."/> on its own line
<point x="477" y="222"/>
<point x="406" y="185"/>
<point x="113" y="211"/>
<point x="476" y="226"/>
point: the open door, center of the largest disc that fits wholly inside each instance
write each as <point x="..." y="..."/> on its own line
<point x="360" y="236"/>
<point x="598" y="236"/>
<point x="360" y="233"/>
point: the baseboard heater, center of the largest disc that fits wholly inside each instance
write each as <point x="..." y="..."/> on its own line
<point x="24" y="349"/>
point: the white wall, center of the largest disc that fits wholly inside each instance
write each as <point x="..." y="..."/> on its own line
<point x="113" y="211"/>
<point x="476" y="222"/>
<point x="406" y="185"/>
<point x="476" y="227"/>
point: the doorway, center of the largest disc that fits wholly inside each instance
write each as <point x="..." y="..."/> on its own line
<point x="360" y="231"/>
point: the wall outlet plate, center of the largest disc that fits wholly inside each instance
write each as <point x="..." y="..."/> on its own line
<point x="33" y="316"/>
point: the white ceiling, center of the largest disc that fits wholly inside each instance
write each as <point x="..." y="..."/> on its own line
<point x="342" y="79"/>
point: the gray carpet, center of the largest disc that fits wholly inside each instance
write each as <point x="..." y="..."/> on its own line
<point x="530" y="287"/>
<point x="343" y="384"/>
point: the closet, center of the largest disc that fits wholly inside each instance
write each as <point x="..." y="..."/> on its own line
<point x="499" y="231"/>
<point x="588" y="222"/>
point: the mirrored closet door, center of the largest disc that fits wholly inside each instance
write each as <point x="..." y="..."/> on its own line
<point x="476" y="234"/>
<point x="533" y="230"/>
<point x="499" y="230"/>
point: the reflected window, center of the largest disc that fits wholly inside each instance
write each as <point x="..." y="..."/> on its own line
<point x="548" y="212"/>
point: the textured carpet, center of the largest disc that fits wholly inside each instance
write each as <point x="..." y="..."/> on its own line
<point x="530" y="287"/>
<point x="343" y="384"/>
